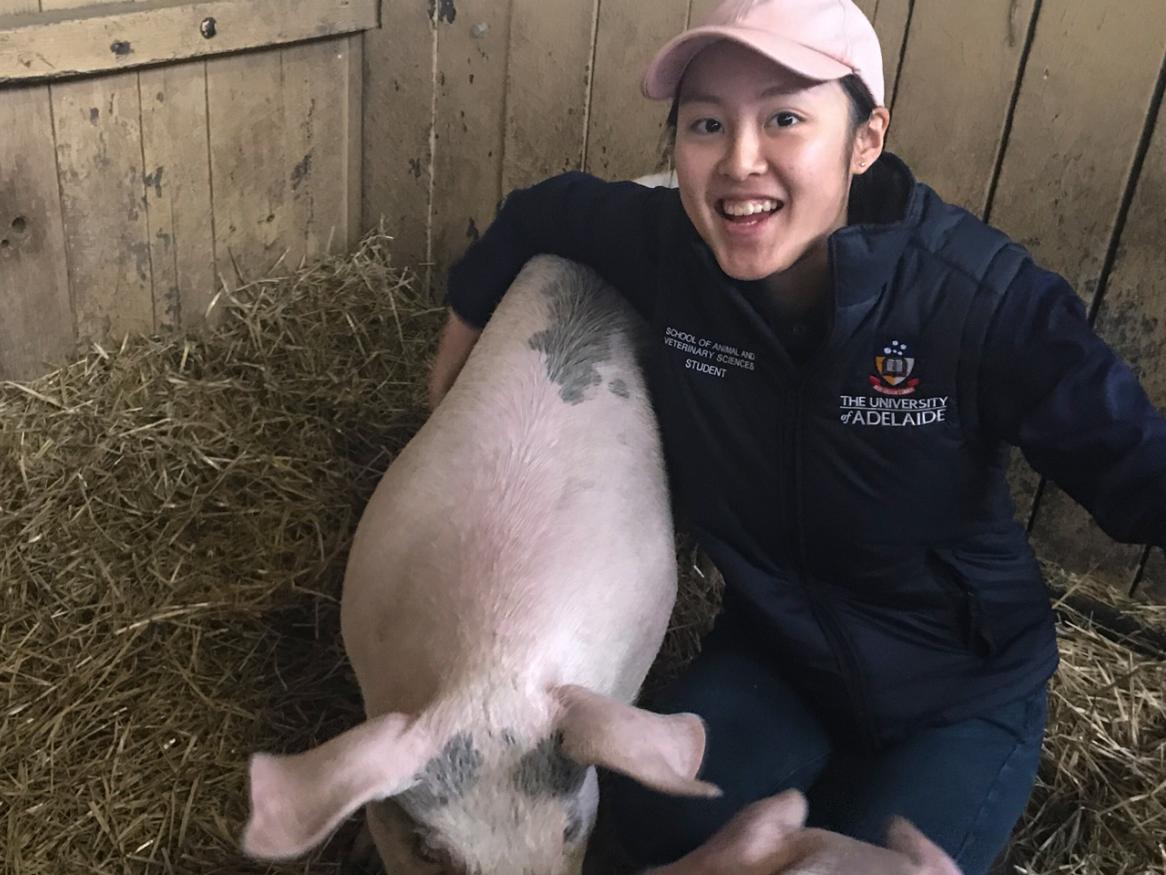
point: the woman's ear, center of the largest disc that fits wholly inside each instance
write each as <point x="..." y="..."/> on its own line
<point x="870" y="140"/>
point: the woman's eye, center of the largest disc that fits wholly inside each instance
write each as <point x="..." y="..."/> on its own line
<point x="785" y="119"/>
<point x="706" y="126"/>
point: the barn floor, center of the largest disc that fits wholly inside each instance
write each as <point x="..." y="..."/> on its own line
<point x="174" y="515"/>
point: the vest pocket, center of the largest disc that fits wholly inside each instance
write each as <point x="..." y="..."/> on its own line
<point x="965" y="602"/>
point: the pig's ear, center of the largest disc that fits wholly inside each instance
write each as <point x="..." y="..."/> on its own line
<point x="297" y="800"/>
<point x="663" y="752"/>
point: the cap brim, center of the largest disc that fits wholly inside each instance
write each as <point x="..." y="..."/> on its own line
<point x="666" y="70"/>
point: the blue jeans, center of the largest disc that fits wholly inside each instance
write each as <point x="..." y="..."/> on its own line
<point x="964" y="785"/>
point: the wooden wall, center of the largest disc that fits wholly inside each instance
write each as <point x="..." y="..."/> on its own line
<point x="129" y="197"/>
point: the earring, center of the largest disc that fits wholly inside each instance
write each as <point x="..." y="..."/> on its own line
<point x="862" y="164"/>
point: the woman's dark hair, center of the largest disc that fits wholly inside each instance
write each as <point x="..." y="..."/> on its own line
<point x="862" y="102"/>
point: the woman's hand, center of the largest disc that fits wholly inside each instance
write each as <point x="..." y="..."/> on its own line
<point x="457" y="339"/>
<point x="768" y="838"/>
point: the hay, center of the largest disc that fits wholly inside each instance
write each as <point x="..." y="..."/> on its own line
<point x="174" y="516"/>
<point x="1099" y="805"/>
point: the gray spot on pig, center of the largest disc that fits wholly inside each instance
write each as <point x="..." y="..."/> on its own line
<point x="620" y="388"/>
<point x="94" y="114"/>
<point x="574" y="820"/>
<point x="472" y="232"/>
<point x="121" y="48"/>
<point x="547" y="771"/>
<point x="583" y="320"/>
<point x="446" y="777"/>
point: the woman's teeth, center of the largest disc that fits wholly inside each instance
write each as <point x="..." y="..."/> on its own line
<point x="741" y="209"/>
<point x="749" y="208"/>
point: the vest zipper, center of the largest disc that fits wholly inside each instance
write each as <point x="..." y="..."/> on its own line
<point x="819" y="602"/>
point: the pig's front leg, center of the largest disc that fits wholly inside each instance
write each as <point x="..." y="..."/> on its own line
<point x="768" y="838"/>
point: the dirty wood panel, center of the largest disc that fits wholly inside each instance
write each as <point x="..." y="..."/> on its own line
<point x="698" y="9"/>
<point x="1079" y="117"/>
<point x="98" y="138"/>
<point x="548" y="77"/>
<point x="624" y="136"/>
<point x="398" y="124"/>
<point x="472" y="42"/>
<point x="354" y="132"/>
<point x="99" y="154"/>
<point x="96" y="37"/>
<point x="250" y="171"/>
<point x="1078" y="122"/>
<point x="1132" y="319"/>
<point x="178" y="192"/>
<point x="36" y="329"/>
<point x="315" y="96"/>
<point x="957" y="80"/>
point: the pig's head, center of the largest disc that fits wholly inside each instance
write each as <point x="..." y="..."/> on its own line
<point x="471" y="800"/>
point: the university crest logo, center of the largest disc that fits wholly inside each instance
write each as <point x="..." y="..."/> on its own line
<point x="893" y="370"/>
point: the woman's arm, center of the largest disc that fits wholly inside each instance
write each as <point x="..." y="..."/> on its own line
<point x="613" y="227"/>
<point x="1052" y="387"/>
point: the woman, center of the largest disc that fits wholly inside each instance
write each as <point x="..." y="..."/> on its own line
<point x="839" y="361"/>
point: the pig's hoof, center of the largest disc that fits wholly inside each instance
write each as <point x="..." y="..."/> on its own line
<point x="362" y="857"/>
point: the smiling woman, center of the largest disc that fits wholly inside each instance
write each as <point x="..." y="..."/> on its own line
<point x="764" y="159"/>
<point x="887" y="636"/>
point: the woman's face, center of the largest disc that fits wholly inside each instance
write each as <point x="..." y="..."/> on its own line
<point x="763" y="160"/>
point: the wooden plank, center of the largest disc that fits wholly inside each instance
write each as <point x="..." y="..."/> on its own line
<point x="66" y="42"/>
<point x="36" y="329"/>
<point x="472" y="42"/>
<point x="176" y="159"/>
<point x="958" y="77"/>
<point x="547" y="80"/>
<point x="698" y="10"/>
<point x="354" y="132"/>
<point x="890" y="23"/>
<point x="624" y="129"/>
<point x="315" y="92"/>
<point x="399" y="62"/>
<point x="99" y="156"/>
<point x="1132" y="319"/>
<point x="250" y="174"/>
<point x="1079" y="118"/>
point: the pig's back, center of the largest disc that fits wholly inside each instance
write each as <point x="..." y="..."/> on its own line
<point x="526" y="526"/>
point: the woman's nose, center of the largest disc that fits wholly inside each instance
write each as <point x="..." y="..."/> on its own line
<point x="743" y="157"/>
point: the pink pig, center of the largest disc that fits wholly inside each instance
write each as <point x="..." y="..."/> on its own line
<point x="767" y="838"/>
<point x="508" y="588"/>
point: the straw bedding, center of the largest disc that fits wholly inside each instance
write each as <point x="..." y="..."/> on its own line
<point x="174" y="515"/>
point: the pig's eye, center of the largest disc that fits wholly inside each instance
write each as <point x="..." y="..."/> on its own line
<point x="426" y="852"/>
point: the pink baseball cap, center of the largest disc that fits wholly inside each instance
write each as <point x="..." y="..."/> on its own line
<point x="820" y="39"/>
